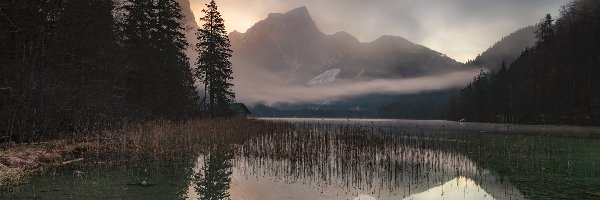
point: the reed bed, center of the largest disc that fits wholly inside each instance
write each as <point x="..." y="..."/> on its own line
<point x="388" y="160"/>
<point x="164" y="140"/>
<point x="358" y="158"/>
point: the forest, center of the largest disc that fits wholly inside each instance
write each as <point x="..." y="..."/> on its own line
<point x="74" y="66"/>
<point x="554" y="82"/>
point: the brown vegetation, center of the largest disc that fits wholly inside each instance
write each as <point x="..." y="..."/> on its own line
<point x="18" y="160"/>
<point x="159" y="140"/>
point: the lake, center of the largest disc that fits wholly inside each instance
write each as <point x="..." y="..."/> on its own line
<point x="355" y="159"/>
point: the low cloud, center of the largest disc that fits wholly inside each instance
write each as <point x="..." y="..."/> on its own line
<point x="253" y="86"/>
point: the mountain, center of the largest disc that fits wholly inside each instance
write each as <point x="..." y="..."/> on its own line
<point x="191" y="27"/>
<point x="507" y="49"/>
<point x="291" y="46"/>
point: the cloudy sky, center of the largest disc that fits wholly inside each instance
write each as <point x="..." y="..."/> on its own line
<point x="460" y="29"/>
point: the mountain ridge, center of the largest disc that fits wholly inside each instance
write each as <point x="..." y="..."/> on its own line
<point x="507" y="49"/>
<point x="291" y="45"/>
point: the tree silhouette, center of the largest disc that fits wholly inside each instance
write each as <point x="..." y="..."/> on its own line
<point x="213" y="65"/>
<point x="545" y="30"/>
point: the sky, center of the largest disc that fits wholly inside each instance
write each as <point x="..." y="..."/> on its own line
<point x="461" y="29"/>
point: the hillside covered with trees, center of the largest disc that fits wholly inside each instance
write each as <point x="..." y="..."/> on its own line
<point x="554" y="82"/>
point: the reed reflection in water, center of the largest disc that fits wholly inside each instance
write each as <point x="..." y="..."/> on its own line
<point x="320" y="161"/>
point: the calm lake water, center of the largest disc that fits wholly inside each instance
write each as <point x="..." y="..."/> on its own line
<point x="357" y="159"/>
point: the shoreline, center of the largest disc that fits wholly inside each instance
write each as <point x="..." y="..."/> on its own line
<point x="423" y="120"/>
<point x="158" y="140"/>
<point x="17" y="161"/>
<point x="571" y="131"/>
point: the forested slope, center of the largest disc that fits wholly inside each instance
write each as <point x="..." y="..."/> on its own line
<point x="554" y="82"/>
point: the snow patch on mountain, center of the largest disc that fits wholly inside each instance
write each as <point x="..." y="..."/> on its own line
<point x="326" y="77"/>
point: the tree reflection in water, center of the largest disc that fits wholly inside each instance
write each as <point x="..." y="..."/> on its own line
<point x="214" y="179"/>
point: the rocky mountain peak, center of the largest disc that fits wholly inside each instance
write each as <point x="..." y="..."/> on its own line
<point x="290" y="46"/>
<point x="294" y="22"/>
<point x="300" y="11"/>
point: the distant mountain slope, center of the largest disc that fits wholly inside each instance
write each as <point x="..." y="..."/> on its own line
<point x="425" y="105"/>
<point x="436" y="104"/>
<point x="291" y="46"/>
<point x="554" y="82"/>
<point x="507" y="49"/>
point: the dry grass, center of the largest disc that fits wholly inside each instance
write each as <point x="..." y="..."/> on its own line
<point x="18" y="160"/>
<point x="167" y="140"/>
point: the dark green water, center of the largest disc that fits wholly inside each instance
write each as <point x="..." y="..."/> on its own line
<point x="356" y="159"/>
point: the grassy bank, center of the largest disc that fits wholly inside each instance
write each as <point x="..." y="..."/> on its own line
<point x="159" y="140"/>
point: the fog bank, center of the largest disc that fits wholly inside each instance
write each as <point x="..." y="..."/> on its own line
<point x="253" y="86"/>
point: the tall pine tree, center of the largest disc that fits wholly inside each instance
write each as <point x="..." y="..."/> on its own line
<point x="213" y="66"/>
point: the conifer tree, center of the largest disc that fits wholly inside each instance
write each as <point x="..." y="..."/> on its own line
<point x="545" y="30"/>
<point x="213" y="65"/>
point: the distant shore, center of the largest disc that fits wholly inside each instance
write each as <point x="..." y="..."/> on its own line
<point x="445" y="125"/>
